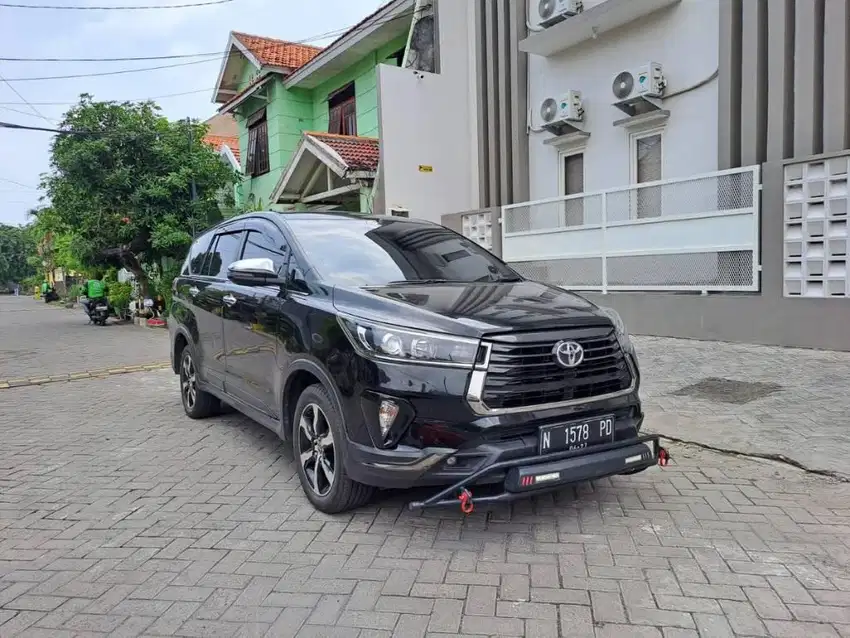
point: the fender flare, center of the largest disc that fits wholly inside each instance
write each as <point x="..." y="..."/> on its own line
<point x="304" y="365"/>
<point x="180" y="331"/>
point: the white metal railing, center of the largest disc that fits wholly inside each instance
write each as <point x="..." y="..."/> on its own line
<point x="698" y="233"/>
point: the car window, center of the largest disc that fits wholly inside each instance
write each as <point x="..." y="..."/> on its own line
<point x="263" y="244"/>
<point x="195" y="260"/>
<point x="222" y="253"/>
<point x="369" y="252"/>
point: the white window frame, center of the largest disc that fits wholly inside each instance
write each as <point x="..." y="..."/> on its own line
<point x="633" y="162"/>
<point x="633" y="140"/>
<point x="562" y="176"/>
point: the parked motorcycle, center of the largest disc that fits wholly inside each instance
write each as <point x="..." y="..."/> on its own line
<point x="97" y="311"/>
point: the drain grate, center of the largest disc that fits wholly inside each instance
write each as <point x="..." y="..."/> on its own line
<point x="728" y="390"/>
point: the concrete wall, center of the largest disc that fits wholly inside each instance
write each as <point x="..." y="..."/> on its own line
<point x="502" y="105"/>
<point x="784" y="81"/>
<point x="364" y="76"/>
<point x="426" y="120"/>
<point x="683" y="39"/>
<point x="767" y="318"/>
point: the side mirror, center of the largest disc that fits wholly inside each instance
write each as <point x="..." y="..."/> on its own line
<point x="254" y="272"/>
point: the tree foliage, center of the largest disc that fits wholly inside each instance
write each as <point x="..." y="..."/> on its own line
<point x="120" y="184"/>
<point x="16" y="248"/>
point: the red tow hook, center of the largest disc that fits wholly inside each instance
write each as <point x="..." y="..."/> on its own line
<point x="466" y="504"/>
<point x="663" y="457"/>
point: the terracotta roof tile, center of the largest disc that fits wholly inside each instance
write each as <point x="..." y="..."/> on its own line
<point x="217" y="141"/>
<point x="360" y="153"/>
<point x="277" y="52"/>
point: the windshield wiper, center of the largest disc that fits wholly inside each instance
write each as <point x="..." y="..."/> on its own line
<point x="402" y="282"/>
<point x="499" y="279"/>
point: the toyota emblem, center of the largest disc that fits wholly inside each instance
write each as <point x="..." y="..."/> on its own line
<point x="568" y="354"/>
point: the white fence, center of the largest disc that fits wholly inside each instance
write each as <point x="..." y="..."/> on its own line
<point x="699" y="233"/>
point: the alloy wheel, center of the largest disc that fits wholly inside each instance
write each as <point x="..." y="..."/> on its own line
<point x="316" y="448"/>
<point x="188" y="382"/>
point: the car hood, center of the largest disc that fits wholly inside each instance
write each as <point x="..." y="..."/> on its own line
<point x="470" y="309"/>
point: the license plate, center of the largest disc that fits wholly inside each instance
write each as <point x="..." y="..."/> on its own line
<point x="576" y="435"/>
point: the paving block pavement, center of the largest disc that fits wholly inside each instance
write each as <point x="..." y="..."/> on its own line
<point x="128" y="519"/>
<point x="41" y="341"/>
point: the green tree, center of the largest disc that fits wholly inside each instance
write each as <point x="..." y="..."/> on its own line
<point x="120" y="184"/>
<point x="17" y="247"/>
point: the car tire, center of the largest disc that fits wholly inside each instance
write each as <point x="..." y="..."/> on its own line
<point x="196" y="403"/>
<point x="318" y="446"/>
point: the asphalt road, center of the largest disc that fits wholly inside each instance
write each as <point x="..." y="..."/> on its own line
<point x="121" y="517"/>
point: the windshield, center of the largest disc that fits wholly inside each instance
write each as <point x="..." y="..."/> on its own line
<point x="369" y="252"/>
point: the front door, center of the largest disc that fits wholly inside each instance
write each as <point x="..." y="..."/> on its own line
<point x="251" y="321"/>
<point x="208" y="292"/>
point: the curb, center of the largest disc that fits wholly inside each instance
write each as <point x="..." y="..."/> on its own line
<point x="8" y="384"/>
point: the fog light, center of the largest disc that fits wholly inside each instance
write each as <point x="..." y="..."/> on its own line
<point x="451" y="461"/>
<point x="386" y="415"/>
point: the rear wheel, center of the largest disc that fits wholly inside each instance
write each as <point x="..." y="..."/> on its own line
<point x="318" y="443"/>
<point x="196" y="403"/>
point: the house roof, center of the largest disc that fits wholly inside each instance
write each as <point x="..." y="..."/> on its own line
<point x="217" y="141"/>
<point x="274" y="52"/>
<point x="358" y="153"/>
<point x="389" y="21"/>
<point x="240" y="97"/>
<point x="347" y="158"/>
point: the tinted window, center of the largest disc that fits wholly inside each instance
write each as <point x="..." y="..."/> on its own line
<point x="195" y="260"/>
<point x="261" y="244"/>
<point x="368" y="252"/>
<point x="224" y="251"/>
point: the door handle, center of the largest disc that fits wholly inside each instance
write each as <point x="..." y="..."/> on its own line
<point x="229" y="300"/>
<point x="193" y="291"/>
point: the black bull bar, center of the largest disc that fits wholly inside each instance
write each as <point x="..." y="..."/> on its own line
<point x="459" y="492"/>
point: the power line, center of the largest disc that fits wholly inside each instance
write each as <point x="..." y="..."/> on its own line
<point x="321" y="36"/>
<point x="24" y="100"/>
<point x="11" y="181"/>
<point x="27" y="113"/>
<point x="126" y="59"/>
<point x="102" y="73"/>
<point x="119" y="8"/>
<point x="139" y="99"/>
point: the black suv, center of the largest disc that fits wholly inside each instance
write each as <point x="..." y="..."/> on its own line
<point x="392" y="353"/>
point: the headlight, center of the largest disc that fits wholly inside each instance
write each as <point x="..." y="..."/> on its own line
<point x="619" y="327"/>
<point x="403" y="345"/>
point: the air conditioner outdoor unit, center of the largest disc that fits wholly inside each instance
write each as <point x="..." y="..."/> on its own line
<point x="555" y="11"/>
<point x="564" y="112"/>
<point x="646" y="81"/>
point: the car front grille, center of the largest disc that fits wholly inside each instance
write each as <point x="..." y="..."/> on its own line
<point x="525" y="373"/>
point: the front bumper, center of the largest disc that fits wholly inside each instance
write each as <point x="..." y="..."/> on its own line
<point x="528" y="476"/>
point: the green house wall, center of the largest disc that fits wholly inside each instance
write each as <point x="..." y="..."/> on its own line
<point x="290" y="112"/>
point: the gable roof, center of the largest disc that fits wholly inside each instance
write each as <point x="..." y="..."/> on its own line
<point x="349" y="157"/>
<point x="274" y="52"/>
<point x="357" y="153"/>
<point x="266" y="54"/>
<point x="388" y="22"/>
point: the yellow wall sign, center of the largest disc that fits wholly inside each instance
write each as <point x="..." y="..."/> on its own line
<point x="424" y="168"/>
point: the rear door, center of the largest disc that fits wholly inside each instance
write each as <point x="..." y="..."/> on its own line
<point x="251" y="324"/>
<point x="183" y="307"/>
<point x="209" y="292"/>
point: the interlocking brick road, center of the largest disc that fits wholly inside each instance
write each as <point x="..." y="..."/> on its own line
<point x="37" y="341"/>
<point x="121" y="517"/>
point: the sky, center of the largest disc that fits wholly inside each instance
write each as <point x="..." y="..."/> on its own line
<point x="36" y="33"/>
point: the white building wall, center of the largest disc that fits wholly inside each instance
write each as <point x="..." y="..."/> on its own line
<point x="683" y="39"/>
<point x="427" y="120"/>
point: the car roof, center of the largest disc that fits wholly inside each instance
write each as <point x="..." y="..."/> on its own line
<point x="321" y="215"/>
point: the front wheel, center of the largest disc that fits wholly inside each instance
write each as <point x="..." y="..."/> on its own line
<point x="196" y="403"/>
<point x="318" y="442"/>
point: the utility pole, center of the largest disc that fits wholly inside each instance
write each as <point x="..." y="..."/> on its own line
<point x="194" y="189"/>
